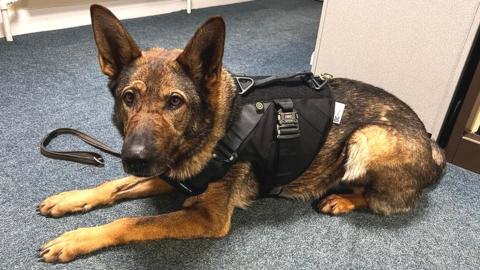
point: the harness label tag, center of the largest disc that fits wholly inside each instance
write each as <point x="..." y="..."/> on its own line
<point x="337" y="116"/>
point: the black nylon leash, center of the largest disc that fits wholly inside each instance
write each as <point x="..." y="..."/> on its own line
<point x="84" y="157"/>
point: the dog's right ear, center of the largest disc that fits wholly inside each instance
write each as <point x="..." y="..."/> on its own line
<point x="116" y="48"/>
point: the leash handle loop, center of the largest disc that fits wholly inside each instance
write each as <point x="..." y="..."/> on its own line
<point x="85" y="157"/>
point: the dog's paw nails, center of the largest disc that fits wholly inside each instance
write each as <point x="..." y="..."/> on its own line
<point x="86" y="207"/>
<point x="58" y="251"/>
<point x="70" y="245"/>
<point x="45" y="210"/>
<point x="66" y="202"/>
<point x="42" y="252"/>
<point x="55" y="256"/>
<point x="335" y="205"/>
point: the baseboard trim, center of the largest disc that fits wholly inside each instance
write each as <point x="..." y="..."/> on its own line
<point x="38" y="20"/>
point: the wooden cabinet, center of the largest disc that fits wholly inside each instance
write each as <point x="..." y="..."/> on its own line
<point x="462" y="131"/>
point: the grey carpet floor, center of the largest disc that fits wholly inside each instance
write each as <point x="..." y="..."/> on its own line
<point x="50" y="80"/>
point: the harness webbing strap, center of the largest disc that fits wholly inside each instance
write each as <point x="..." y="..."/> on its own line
<point x="246" y="83"/>
<point x="225" y="154"/>
<point x="288" y="145"/>
<point x="240" y="129"/>
<point x="276" y="78"/>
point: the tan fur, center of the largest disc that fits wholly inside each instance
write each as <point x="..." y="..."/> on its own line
<point x="369" y="145"/>
<point x="106" y="194"/>
<point x="357" y="160"/>
<point x="437" y="154"/>
<point x="342" y="204"/>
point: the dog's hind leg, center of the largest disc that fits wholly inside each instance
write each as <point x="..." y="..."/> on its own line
<point x="106" y="194"/>
<point x="392" y="164"/>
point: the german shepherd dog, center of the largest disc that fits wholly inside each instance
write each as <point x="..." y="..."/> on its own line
<point x="173" y="106"/>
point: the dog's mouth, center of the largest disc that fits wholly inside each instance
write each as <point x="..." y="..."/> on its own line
<point x="144" y="169"/>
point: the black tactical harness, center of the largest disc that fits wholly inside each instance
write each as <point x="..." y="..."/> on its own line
<point x="281" y="125"/>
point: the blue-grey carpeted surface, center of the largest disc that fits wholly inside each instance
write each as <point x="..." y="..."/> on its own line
<point x="50" y="80"/>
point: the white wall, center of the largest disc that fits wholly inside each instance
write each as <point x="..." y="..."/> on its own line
<point x="28" y="16"/>
<point x="414" y="49"/>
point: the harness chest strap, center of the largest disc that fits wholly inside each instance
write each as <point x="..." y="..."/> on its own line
<point x="288" y="133"/>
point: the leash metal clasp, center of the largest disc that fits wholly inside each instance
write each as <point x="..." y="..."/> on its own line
<point x="100" y="161"/>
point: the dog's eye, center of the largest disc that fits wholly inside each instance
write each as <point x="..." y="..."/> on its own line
<point x="175" y="101"/>
<point x="128" y="98"/>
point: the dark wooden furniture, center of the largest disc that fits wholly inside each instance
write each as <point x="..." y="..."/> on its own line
<point x="463" y="148"/>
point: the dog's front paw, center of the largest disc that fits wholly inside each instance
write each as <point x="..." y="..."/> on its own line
<point x="72" y="244"/>
<point x="336" y="205"/>
<point x="69" y="202"/>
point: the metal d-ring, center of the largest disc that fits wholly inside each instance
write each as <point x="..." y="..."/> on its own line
<point x="244" y="89"/>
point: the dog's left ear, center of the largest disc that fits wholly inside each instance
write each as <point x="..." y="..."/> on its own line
<point x="202" y="57"/>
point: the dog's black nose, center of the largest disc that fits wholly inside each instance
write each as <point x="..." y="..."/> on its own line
<point x="137" y="156"/>
<point x="136" y="153"/>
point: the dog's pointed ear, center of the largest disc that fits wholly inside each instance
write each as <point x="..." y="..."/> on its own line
<point x="202" y="57"/>
<point x="116" y="48"/>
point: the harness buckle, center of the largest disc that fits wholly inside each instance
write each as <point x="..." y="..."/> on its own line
<point x="287" y="125"/>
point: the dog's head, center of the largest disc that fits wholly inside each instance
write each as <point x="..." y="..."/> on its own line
<point x="164" y="99"/>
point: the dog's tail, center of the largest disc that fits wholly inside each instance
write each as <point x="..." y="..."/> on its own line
<point x="439" y="162"/>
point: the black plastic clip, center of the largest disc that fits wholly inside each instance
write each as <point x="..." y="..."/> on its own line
<point x="224" y="154"/>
